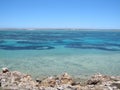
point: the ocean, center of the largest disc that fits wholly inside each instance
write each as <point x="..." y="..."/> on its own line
<point x="43" y="53"/>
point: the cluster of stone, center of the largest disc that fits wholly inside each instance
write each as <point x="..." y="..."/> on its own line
<point x="14" y="80"/>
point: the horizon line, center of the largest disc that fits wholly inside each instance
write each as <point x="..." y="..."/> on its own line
<point x="30" y="28"/>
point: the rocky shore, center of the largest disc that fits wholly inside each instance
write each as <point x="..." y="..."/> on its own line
<point x="14" y="80"/>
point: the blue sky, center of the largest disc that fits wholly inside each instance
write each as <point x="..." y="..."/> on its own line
<point x="60" y="13"/>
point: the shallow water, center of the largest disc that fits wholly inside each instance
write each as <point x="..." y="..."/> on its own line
<point x="44" y="53"/>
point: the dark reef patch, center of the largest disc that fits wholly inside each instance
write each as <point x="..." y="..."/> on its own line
<point x="111" y="47"/>
<point x="2" y="41"/>
<point x="28" y="42"/>
<point x="9" y="47"/>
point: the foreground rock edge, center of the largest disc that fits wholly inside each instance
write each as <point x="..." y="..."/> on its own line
<point x="14" y="80"/>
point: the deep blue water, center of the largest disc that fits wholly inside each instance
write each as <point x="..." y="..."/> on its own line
<point x="42" y="40"/>
<point x="50" y="52"/>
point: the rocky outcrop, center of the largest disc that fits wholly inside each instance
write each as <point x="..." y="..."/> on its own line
<point x="58" y="80"/>
<point x="103" y="82"/>
<point x="14" y="80"/>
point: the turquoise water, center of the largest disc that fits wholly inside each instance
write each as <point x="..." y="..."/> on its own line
<point x="45" y="53"/>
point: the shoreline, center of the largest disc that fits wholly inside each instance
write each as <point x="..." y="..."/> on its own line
<point x="15" y="80"/>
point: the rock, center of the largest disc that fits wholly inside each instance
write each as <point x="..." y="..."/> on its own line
<point x="59" y="80"/>
<point x="39" y="81"/>
<point x="14" y="80"/>
<point x="117" y="84"/>
<point x="5" y="69"/>
<point x="93" y="81"/>
<point x="49" y="82"/>
<point x="117" y="78"/>
<point x="98" y="79"/>
<point x="60" y="88"/>
<point x="66" y="79"/>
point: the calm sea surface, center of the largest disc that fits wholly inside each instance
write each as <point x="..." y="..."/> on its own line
<point x="52" y="52"/>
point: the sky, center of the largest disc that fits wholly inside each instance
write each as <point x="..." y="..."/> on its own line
<point x="60" y="14"/>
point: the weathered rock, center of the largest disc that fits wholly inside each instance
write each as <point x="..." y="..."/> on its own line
<point x="66" y="79"/>
<point x="48" y="82"/>
<point x="59" y="80"/>
<point x="4" y="70"/>
<point x="117" y="78"/>
<point x="14" y="80"/>
<point x="117" y="84"/>
<point x="98" y="79"/>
